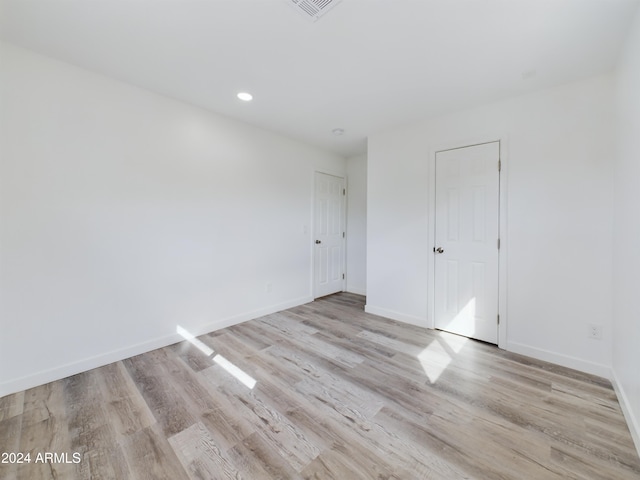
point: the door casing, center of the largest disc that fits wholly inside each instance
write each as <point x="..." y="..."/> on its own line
<point x="315" y="289"/>
<point x="502" y="254"/>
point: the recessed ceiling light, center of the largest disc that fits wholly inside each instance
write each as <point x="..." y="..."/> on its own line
<point x="338" y="131"/>
<point x="244" y="96"/>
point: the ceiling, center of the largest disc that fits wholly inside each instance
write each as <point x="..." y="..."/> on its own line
<point x="365" y="66"/>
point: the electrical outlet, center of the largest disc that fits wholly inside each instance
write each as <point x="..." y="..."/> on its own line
<point x="595" y="331"/>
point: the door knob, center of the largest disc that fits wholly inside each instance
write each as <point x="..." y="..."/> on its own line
<point x="438" y="250"/>
<point x="318" y="242"/>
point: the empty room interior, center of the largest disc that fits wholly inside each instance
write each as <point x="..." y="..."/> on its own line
<point x="320" y="239"/>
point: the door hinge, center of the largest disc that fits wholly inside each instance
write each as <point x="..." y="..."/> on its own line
<point x="498" y="244"/>
<point x="343" y="276"/>
<point x="344" y="191"/>
<point x="343" y="234"/>
<point x="499" y="165"/>
<point x="498" y="319"/>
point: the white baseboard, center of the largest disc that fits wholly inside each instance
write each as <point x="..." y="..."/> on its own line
<point x="401" y="317"/>
<point x="63" y="371"/>
<point x="560" y="359"/>
<point x="632" y="421"/>
<point x="357" y="291"/>
<point x="243" y="317"/>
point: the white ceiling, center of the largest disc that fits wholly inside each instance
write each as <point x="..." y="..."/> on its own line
<point x="365" y="66"/>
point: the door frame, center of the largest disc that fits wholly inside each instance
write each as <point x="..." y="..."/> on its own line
<point x="343" y="212"/>
<point x="502" y="222"/>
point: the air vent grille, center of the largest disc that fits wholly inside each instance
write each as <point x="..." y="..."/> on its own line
<point x="313" y="9"/>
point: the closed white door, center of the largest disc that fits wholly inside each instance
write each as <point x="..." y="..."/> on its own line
<point x="467" y="245"/>
<point x="329" y="233"/>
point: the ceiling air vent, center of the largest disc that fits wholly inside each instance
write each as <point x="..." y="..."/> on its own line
<point x="313" y="9"/>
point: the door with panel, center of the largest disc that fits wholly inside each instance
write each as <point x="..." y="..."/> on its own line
<point x="467" y="246"/>
<point x="329" y="234"/>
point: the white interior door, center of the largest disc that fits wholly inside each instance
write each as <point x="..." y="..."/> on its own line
<point x="466" y="235"/>
<point x="329" y="233"/>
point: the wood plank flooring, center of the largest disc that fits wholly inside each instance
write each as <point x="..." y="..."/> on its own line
<point x="338" y="394"/>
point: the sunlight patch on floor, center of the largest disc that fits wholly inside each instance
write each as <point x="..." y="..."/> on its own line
<point x="234" y="370"/>
<point x="454" y="342"/>
<point x="227" y="365"/>
<point x="434" y="360"/>
<point x="437" y="356"/>
<point x="193" y="340"/>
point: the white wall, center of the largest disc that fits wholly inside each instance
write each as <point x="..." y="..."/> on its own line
<point x="357" y="224"/>
<point x="558" y="158"/>
<point x="125" y="214"/>
<point x="626" y="246"/>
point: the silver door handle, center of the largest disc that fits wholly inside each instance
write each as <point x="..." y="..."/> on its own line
<point x="438" y="250"/>
<point x="318" y="242"/>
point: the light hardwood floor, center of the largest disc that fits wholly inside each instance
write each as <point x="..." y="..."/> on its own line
<point x="338" y="394"/>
